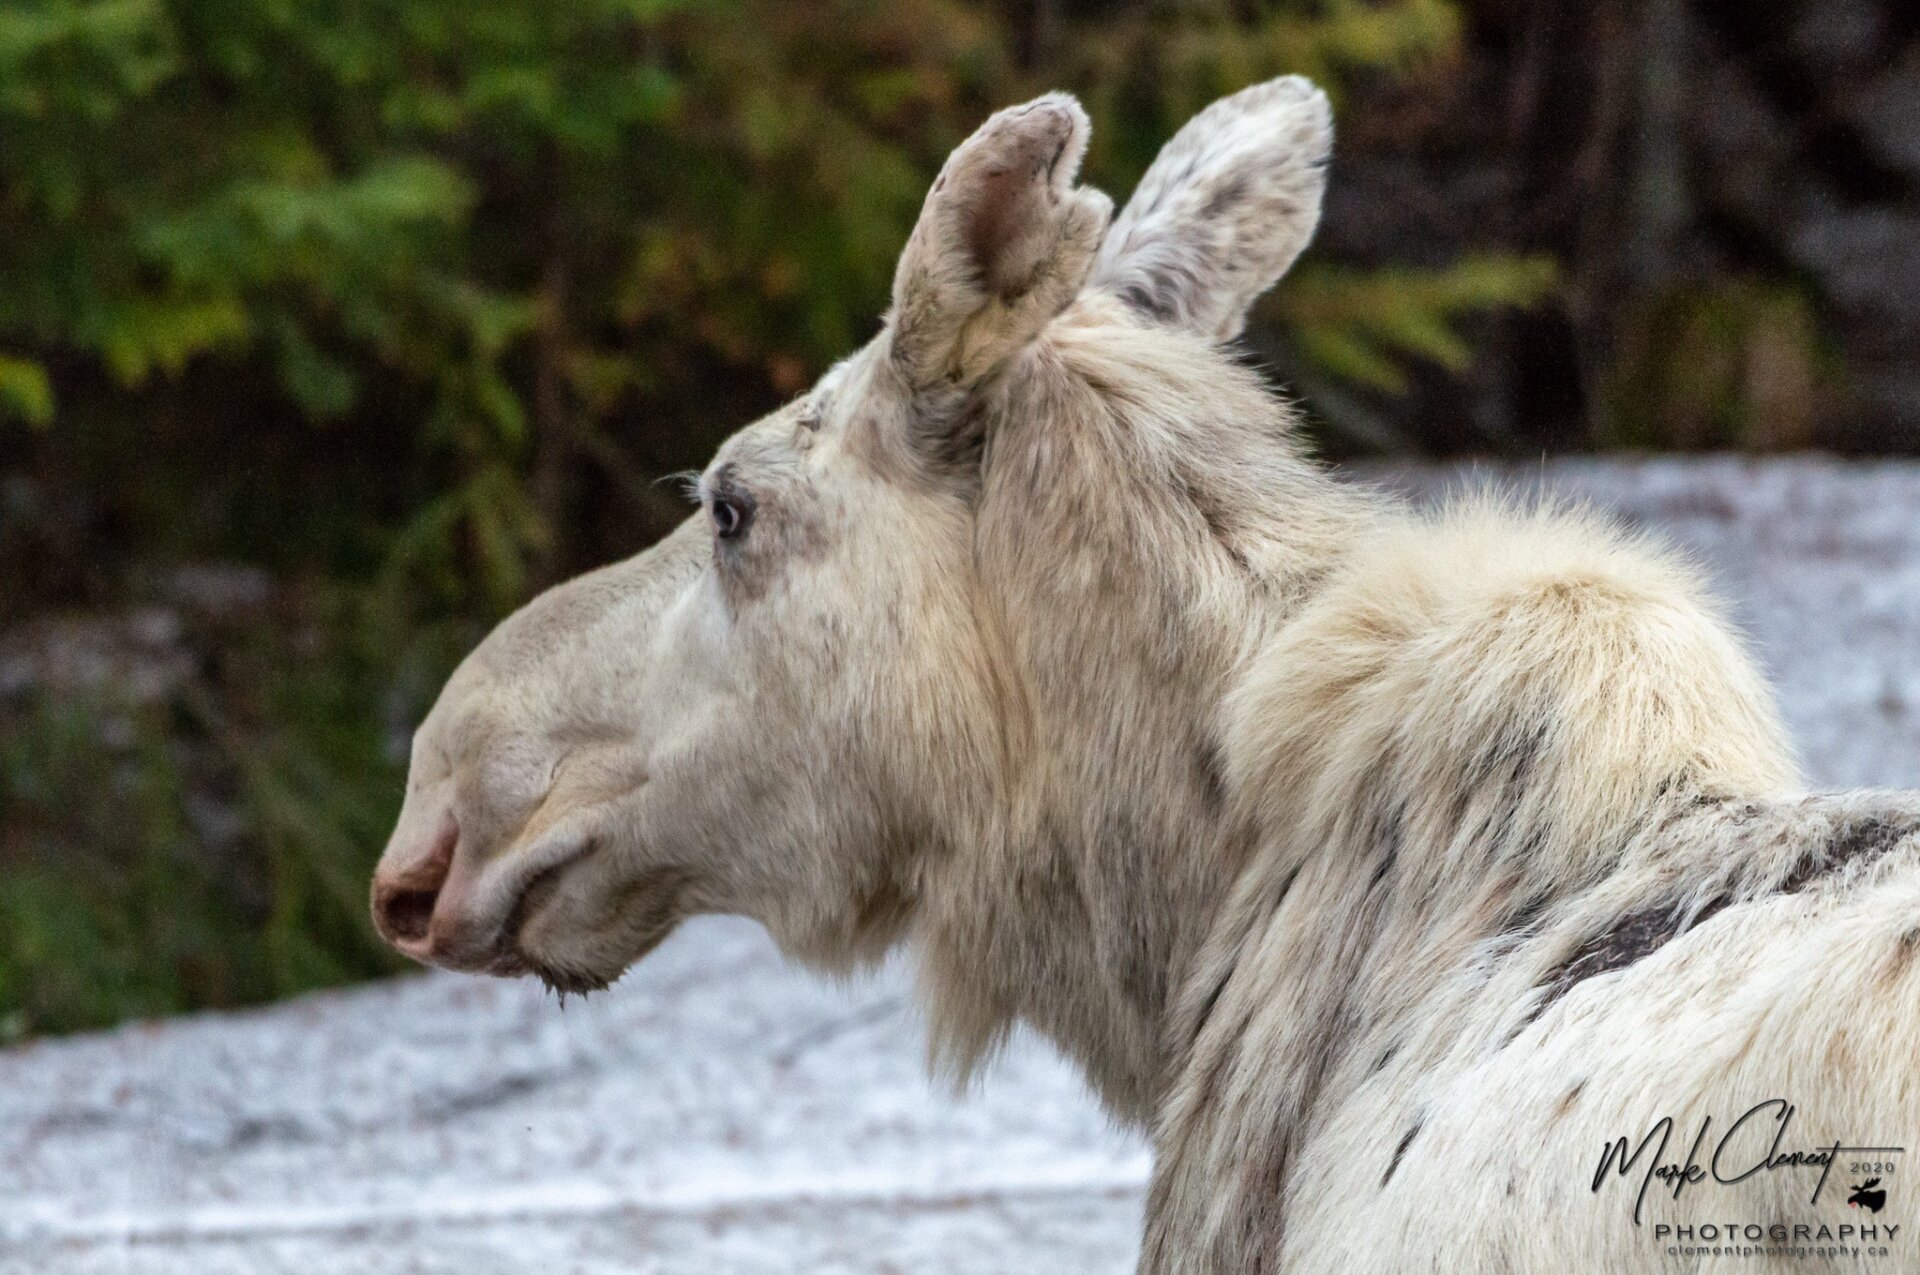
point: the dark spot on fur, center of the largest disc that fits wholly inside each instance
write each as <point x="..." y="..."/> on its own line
<point x="1386" y="836"/>
<point x="1386" y="1056"/>
<point x="950" y="440"/>
<point x="1867" y="839"/>
<point x="1680" y="801"/>
<point x="1156" y="290"/>
<point x="1527" y="911"/>
<point x="1142" y="298"/>
<point x="1501" y="771"/>
<point x="1640" y="933"/>
<point x="1212" y="777"/>
<point x="1636" y="935"/>
<point x="1286" y="885"/>
<point x="1225" y="197"/>
<point x="1399" y="1152"/>
<point x="1052" y="166"/>
<point x="1572" y="1096"/>
<point x="1207" y="1006"/>
<point x="1511" y="759"/>
<point x="1904" y="948"/>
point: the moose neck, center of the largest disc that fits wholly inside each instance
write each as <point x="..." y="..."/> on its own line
<point x="1123" y="606"/>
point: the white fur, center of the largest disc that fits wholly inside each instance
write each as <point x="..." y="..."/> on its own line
<point x="1384" y="865"/>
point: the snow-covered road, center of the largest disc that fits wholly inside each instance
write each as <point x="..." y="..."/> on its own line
<point x="718" y="1112"/>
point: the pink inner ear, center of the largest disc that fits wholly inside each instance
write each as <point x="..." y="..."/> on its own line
<point x="1001" y="207"/>
<point x="1003" y="244"/>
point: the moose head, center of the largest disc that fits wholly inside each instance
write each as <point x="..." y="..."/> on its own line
<point x="941" y="653"/>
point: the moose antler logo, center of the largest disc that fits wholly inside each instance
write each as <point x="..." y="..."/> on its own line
<point x="1869" y="1195"/>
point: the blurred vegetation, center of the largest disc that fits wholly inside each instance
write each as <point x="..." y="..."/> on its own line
<point x="400" y="307"/>
<point x="331" y="329"/>
<point x="1755" y="373"/>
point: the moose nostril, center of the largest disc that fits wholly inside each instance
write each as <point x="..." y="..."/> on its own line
<point x="403" y="901"/>
<point x="405" y="914"/>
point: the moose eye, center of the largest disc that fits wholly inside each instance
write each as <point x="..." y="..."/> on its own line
<point x="730" y="517"/>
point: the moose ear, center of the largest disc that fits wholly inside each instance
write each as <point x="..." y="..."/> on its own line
<point x="1003" y="244"/>
<point x="1224" y="210"/>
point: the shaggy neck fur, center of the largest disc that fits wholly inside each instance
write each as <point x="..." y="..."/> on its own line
<point x="1278" y="713"/>
<point x="1144" y="480"/>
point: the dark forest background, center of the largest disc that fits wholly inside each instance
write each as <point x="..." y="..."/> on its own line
<point x="331" y="329"/>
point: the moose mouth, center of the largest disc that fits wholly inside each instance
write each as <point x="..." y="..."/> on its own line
<point x="645" y="913"/>
<point x="533" y="895"/>
<point x="512" y="959"/>
<point x="573" y="981"/>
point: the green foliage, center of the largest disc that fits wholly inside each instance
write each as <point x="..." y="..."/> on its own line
<point x="208" y="844"/>
<point x="1178" y="58"/>
<point x="1363" y="325"/>
<point x="25" y="391"/>
<point x="488" y="212"/>
<point x="1739" y="363"/>
<point x="457" y="200"/>
<point x="405" y="301"/>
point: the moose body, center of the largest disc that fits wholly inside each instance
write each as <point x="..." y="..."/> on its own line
<point x="1386" y="866"/>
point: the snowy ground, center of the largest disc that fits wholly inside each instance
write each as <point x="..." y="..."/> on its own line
<point x="718" y="1113"/>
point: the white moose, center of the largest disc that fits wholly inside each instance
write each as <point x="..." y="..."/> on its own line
<point x="1386" y="867"/>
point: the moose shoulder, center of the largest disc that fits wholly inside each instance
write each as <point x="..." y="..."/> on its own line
<point x="1384" y="865"/>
